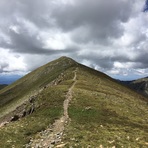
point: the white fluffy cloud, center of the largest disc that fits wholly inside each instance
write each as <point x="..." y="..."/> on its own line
<point x="10" y="62"/>
<point x="111" y="36"/>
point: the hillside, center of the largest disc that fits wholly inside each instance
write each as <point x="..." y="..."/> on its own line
<point x="66" y="104"/>
<point x="140" y="85"/>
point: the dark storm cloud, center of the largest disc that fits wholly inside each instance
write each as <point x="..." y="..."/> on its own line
<point x="23" y="42"/>
<point x="103" y="62"/>
<point x="26" y="45"/>
<point x="86" y="12"/>
<point x="36" y="11"/>
<point x="145" y="9"/>
<point x="120" y="58"/>
<point x="93" y="20"/>
<point x="98" y="31"/>
<point x="141" y="61"/>
<point x="100" y="20"/>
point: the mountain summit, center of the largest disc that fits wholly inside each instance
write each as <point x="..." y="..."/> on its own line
<point x="66" y="104"/>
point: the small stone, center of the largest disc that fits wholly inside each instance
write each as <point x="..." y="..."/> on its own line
<point x="53" y="142"/>
<point x="72" y="139"/>
<point x="45" y="144"/>
<point x="128" y="137"/>
<point x="61" y="145"/>
<point x="101" y="126"/>
<point x="111" y="141"/>
<point x="88" y="108"/>
<point x="51" y="130"/>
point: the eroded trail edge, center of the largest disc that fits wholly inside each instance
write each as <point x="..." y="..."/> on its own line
<point x="53" y="135"/>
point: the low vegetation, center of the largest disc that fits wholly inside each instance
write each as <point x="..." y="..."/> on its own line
<point x="102" y="118"/>
<point x="103" y="113"/>
<point x="48" y="107"/>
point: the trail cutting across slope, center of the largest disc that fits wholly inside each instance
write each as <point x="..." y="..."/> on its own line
<point x="53" y="135"/>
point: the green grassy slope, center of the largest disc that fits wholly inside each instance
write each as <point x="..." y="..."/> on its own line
<point x="48" y="109"/>
<point x="103" y="113"/>
<point x="14" y="95"/>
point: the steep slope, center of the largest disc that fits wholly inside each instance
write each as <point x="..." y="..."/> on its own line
<point x="140" y="85"/>
<point x="71" y="105"/>
<point x="14" y="95"/>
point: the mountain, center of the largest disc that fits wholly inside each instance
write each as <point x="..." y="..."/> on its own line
<point x="66" y="104"/>
<point x="2" y="86"/>
<point x="140" y="85"/>
<point x="8" y="79"/>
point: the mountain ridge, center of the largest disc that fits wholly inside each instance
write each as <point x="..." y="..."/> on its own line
<point x="139" y="85"/>
<point x="90" y="107"/>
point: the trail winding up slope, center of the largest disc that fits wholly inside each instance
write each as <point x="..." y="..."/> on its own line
<point x="53" y="134"/>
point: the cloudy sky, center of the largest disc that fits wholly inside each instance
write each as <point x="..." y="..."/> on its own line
<point x="110" y="36"/>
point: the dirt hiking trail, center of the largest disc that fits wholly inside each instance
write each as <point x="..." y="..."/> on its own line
<point x="53" y="135"/>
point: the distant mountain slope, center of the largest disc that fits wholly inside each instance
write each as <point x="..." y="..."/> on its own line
<point x="66" y="104"/>
<point x="2" y="86"/>
<point x="140" y="85"/>
<point x="8" y="79"/>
